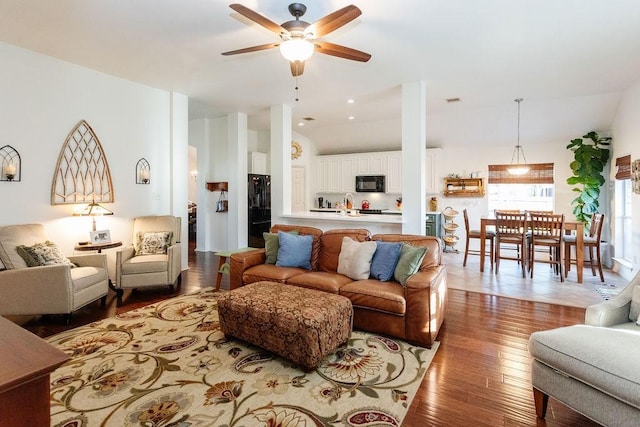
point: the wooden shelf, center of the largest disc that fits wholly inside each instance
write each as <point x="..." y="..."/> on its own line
<point x="463" y="187"/>
<point x="218" y="186"/>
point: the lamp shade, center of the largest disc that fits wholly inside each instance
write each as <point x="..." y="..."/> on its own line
<point x="93" y="209"/>
<point x="296" y="49"/>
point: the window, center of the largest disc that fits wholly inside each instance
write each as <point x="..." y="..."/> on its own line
<point x="622" y="209"/>
<point x="532" y="191"/>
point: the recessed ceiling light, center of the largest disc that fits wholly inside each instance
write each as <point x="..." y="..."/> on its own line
<point x="453" y="99"/>
<point x="300" y="123"/>
<point x="350" y="101"/>
<point x="351" y="118"/>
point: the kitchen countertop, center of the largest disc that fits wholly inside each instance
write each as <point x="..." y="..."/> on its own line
<point x="384" y="211"/>
<point x="332" y="215"/>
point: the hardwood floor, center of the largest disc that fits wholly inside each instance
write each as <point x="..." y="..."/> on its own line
<point x="480" y="375"/>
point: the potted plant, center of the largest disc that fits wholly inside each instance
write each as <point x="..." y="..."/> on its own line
<point x="590" y="158"/>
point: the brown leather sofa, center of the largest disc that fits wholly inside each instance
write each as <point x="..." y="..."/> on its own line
<point x="413" y="312"/>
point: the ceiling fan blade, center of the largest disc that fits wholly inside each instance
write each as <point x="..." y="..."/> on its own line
<point x="257" y="18"/>
<point x="341" y="51"/>
<point x="333" y="21"/>
<point x="297" y="68"/>
<point x="252" y="49"/>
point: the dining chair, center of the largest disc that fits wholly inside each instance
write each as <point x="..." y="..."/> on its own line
<point x="511" y="229"/>
<point x="475" y="234"/>
<point x="546" y="232"/>
<point x="591" y="242"/>
<point x="507" y="246"/>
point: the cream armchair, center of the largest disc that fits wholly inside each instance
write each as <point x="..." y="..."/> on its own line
<point x="155" y="257"/>
<point x="593" y="368"/>
<point x="46" y="289"/>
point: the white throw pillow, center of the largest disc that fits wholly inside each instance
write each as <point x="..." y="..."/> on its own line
<point x="634" y="313"/>
<point x="355" y="258"/>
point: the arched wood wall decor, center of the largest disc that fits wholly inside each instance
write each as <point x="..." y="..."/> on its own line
<point x="82" y="174"/>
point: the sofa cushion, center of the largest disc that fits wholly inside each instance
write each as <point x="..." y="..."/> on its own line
<point x="331" y="245"/>
<point x="385" y="260"/>
<point x="304" y="231"/>
<point x="321" y="280"/>
<point x="12" y="236"/>
<point x="85" y="277"/>
<point x="270" y="273"/>
<point x="355" y="258"/>
<point x="46" y="253"/>
<point x="409" y="262"/>
<point x="152" y="242"/>
<point x="294" y="251"/>
<point x="271" y="246"/>
<point x="386" y="297"/>
<point x="599" y="357"/>
<point x="145" y="264"/>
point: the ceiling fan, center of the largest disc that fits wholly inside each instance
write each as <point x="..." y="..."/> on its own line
<point x="298" y="38"/>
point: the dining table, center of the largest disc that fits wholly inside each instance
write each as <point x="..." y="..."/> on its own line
<point x="569" y="227"/>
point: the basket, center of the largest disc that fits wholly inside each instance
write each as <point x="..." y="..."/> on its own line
<point x="450" y="226"/>
<point x="450" y="240"/>
<point x="449" y="213"/>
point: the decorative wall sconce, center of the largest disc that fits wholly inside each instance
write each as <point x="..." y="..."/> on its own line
<point x="142" y="171"/>
<point x="11" y="164"/>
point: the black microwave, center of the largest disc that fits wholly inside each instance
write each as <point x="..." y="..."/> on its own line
<point x="370" y="184"/>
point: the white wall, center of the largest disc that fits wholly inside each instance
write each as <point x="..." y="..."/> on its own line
<point x="42" y="99"/>
<point x="626" y="134"/>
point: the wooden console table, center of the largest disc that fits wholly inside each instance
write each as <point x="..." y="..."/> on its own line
<point x="25" y="364"/>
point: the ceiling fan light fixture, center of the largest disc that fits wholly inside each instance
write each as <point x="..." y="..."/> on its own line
<point x="516" y="167"/>
<point x="296" y="49"/>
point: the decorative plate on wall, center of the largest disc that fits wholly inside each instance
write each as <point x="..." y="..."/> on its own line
<point x="296" y="150"/>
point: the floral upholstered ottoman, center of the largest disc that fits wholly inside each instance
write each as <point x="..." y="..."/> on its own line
<point x="302" y="325"/>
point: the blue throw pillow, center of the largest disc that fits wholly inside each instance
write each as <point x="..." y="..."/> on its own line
<point x="384" y="260"/>
<point x="294" y="251"/>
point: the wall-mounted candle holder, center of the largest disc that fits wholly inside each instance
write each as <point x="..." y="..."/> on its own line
<point x="143" y="172"/>
<point x="10" y="163"/>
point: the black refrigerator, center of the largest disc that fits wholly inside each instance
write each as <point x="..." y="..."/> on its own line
<point x="259" y="208"/>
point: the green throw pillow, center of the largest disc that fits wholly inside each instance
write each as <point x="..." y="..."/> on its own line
<point x="409" y="262"/>
<point x="271" y="246"/>
<point x="46" y="253"/>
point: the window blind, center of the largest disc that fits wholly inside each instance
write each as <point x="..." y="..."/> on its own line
<point x="624" y="167"/>
<point x="539" y="173"/>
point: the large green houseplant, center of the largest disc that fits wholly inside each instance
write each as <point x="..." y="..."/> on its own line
<point x="590" y="158"/>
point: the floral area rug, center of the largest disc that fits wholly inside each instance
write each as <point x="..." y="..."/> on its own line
<point x="169" y="365"/>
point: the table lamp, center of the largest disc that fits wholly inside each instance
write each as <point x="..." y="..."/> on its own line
<point x="93" y="210"/>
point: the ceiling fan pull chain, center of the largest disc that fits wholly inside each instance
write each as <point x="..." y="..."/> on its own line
<point x="297" y="98"/>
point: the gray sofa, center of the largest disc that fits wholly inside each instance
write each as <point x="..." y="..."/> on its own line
<point x="47" y="289"/>
<point x="593" y="368"/>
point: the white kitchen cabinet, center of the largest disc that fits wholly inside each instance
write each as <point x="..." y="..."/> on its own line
<point x="349" y="172"/>
<point x="394" y="172"/>
<point x="372" y="163"/>
<point x="329" y="174"/>
<point x="258" y="163"/>
<point x="432" y="182"/>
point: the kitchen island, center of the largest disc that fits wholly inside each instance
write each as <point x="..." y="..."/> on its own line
<point x="376" y="224"/>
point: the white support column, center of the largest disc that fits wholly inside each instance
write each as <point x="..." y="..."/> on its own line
<point x="280" y="162"/>
<point x="237" y="231"/>
<point x="413" y="157"/>
<point x="180" y="166"/>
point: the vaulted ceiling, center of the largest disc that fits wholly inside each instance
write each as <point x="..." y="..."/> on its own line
<point x="570" y="60"/>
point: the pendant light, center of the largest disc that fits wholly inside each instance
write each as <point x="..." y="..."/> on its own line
<point x="516" y="167"/>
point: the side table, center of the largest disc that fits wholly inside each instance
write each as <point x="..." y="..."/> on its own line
<point x="223" y="265"/>
<point x="98" y="247"/>
<point x="27" y="361"/>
